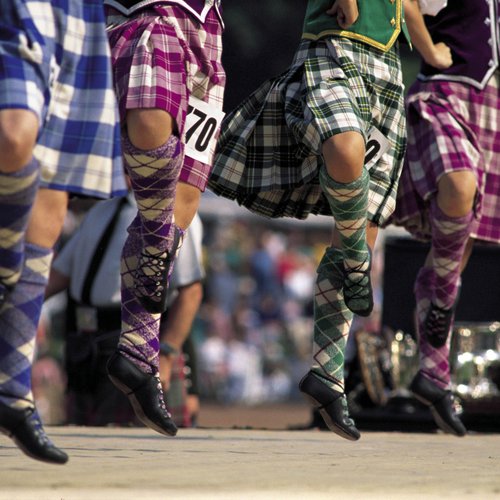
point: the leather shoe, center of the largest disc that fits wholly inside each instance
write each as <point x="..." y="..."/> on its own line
<point x="358" y="293"/>
<point x="24" y="427"/>
<point x="437" y="325"/>
<point x="440" y="402"/>
<point x="144" y="393"/>
<point x="332" y="406"/>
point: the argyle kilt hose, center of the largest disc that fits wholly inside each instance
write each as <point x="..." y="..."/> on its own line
<point x="454" y="127"/>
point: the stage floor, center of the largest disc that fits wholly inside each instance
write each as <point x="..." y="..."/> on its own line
<point x="221" y="463"/>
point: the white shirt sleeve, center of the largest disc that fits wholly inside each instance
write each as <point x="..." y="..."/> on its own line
<point x="432" y="7"/>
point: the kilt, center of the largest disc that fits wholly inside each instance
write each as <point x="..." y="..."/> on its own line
<point x="54" y="60"/>
<point x="451" y="126"/>
<point x="268" y="155"/>
<point x="162" y="55"/>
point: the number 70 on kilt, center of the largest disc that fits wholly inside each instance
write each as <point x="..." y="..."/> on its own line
<point x="202" y="127"/>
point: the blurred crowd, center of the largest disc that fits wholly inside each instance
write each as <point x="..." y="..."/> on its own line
<point x="253" y="331"/>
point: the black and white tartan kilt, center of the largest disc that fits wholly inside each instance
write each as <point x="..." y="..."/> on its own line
<point x="269" y="151"/>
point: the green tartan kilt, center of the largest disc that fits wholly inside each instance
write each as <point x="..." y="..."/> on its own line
<point x="269" y="152"/>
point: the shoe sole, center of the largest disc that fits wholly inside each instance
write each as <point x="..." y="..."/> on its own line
<point x="328" y="420"/>
<point x="136" y="406"/>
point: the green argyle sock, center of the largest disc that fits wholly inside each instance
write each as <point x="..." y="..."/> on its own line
<point x="332" y="321"/>
<point x="349" y="205"/>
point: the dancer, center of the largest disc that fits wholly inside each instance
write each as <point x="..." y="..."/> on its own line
<point x="327" y="136"/>
<point x="58" y="133"/>
<point x="88" y="267"/>
<point x="449" y="192"/>
<point x="169" y="82"/>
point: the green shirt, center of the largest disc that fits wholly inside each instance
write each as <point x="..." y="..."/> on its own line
<point x="379" y="24"/>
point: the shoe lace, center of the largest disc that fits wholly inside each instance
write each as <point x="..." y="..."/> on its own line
<point x="345" y="410"/>
<point x="438" y="321"/>
<point x="161" y="399"/>
<point x="456" y="405"/>
<point x="150" y="275"/>
<point x="37" y="425"/>
<point x="357" y="281"/>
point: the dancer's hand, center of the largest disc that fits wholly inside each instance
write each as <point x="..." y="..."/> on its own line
<point x="440" y="57"/>
<point x="346" y="11"/>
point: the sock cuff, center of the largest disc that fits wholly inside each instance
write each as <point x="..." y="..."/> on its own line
<point x="29" y="169"/>
<point x="19" y="187"/>
<point x="170" y="149"/>
<point x="326" y="180"/>
<point x="439" y="215"/>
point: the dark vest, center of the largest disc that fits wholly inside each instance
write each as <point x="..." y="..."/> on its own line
<point x="471" y="29"/>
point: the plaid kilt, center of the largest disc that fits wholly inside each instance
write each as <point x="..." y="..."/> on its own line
<point x="64" y="77"/>
<point x="269" y="151"/>
<point x="451" y="127"/>
<point x="162" y="55"/>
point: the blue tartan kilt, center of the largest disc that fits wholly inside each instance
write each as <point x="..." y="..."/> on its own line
<point x="54" y="60"/>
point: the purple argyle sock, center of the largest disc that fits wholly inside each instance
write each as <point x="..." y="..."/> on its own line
<point x="434" y="361"/>
<point x="154" y="175"/>
<point x="139" y="339"/>
<point x="19" y="318"/>
<point x="449" y="237"/>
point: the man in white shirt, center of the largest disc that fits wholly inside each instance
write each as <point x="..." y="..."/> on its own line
<point x="93" y="283"/>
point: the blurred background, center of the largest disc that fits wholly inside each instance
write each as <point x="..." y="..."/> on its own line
<point x="253" y="332"/>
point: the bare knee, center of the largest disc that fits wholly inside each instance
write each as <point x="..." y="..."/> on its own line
<point x="18" y="134"/>
<point x="344" y="156"/>
<point x="149" y="128"/>
<point x="456" y="192"/>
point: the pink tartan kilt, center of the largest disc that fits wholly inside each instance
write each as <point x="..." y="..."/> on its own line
<point x="451" y="127"/>
<point x="160" y="56"/>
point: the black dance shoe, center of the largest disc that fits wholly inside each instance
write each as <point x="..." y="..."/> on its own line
<point x="440" y="402"/>
<point x="358" y="293"/>
<point x="144" y="392"/>
<point x="25" y="429"/>
<point x="437" y="325"/>
<point x="332" y="406"/>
